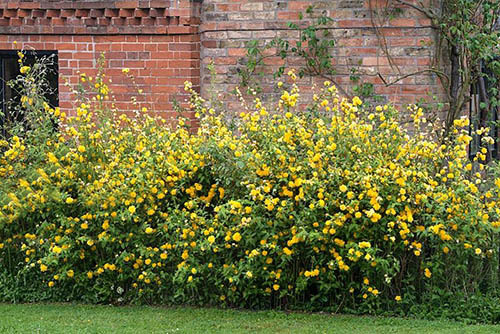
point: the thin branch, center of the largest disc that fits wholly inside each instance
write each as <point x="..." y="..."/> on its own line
<point x="428" y="12"/>
<point x="381" y="38"/>
<point x="439" y="73"/>
<point x="478" y="6"/>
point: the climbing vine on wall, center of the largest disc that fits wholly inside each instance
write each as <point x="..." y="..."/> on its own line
<point x="467" y="52"/>
<point x="314" y="47"/>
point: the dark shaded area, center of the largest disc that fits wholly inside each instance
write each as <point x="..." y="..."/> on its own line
<point x="483" y="113"/>
<point x="10" y="95"/>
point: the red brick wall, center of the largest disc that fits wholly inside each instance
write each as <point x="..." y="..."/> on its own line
<point x="228" y="25"/>
<point x="165" y="42"/>
<point x="157" y="40"/>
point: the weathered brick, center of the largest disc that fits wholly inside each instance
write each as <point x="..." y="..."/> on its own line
<point x="157" y="12"/>
<point x="127" y="4"/>
<point x="264" y="15"/>
<point x="242" y="16"/>
<point x="252" y="6"/>
<point x="24" y="13"/>
<point x="148" y="21"/>
<point x="163" y="40"/>
<point x="67" y="12"/>
<point x="239" y="34"/>
<point x="111" y="12"/>
<point x="124" y="12"/>
<point x="103" y="21"/>
<point x="96" y="12"/>
<point x="117" y="21"/>
<point x="141" y="12"/>
<point x="403" y="22"/>
<point x="15" y="21"/>
<point x="82" y="12"/>
<point x="351" y="4"/>
<point x="287" y="15"/>
<point x="10" y="12"/>
<point x="216" y="17"/>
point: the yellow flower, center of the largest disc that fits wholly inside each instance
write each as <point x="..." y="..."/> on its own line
<point x="43" y="268"/>
<point x="69" y="200"/>
<point x="51" y="284"/>
<point x="237" y="237"/>
<point x="397" y="298"/>
<point x="211" y="239"/>
<point x="25" y="69"/>
<point x="81" y="148"/>
<point x="52" y="158"/>
<point x="343" y="188"/>
<point x="478" y="251"/>
<point x="90" y="275"/>
<point x="287" y="251"/>
<point x="131" y="209"/>
<point x="364" y="244"/>
<point x="427" y="273"/>
<point x="149" y="230"/>
<point x="125" y="70"/>
<point x="356" y="101"/>
<point x="276" y="287"/>
<point x="70" y="273"/>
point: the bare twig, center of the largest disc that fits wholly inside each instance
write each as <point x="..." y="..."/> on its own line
<point x="381" y="38"/>
<point x="432" y="70"/>
<point x="427" y="11"/>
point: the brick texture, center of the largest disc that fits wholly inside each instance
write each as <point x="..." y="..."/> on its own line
<point x="166" y="42"/>
<point x="145" y="36"/>
<point x="228" y="25"/>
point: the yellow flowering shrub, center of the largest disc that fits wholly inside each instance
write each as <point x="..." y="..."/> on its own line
<point x="336" y="207"/>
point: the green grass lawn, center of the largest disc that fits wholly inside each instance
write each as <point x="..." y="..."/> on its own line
<point x="66" y="318"/>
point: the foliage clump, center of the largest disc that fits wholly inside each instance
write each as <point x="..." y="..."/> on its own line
<point x="334" y="208"/>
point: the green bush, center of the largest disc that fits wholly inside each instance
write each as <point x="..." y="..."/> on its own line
<point x="335" y="208"/>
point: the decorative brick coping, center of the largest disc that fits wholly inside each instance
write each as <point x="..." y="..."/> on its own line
<point x="99" y="17"/>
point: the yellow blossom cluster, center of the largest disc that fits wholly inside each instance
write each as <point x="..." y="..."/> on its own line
<point x="344" y="204"/>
